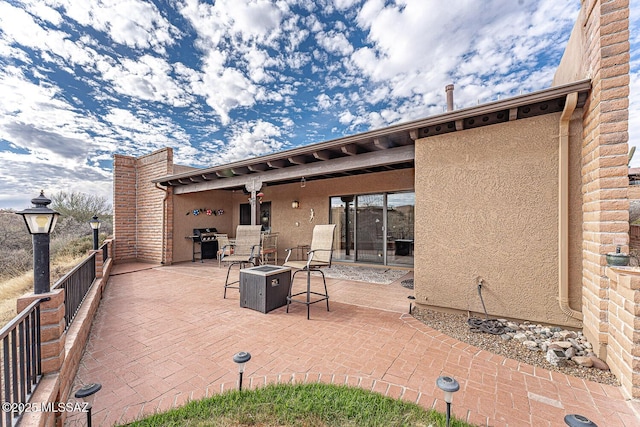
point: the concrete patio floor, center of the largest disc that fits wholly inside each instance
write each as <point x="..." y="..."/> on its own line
<point x="164" y="335"/>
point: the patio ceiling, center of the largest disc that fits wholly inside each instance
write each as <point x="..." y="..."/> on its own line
<point x="390" y="148"/>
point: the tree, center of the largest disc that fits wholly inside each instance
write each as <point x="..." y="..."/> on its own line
<point x="80" y="206"/>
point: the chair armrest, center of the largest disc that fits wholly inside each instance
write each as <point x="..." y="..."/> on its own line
<point x="288" y="250"/>
<point x="310" y="255"/>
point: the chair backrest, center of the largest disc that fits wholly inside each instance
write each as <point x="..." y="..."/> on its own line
<point x="247" y="236"/>
<point x="269" y="240"/>
<point x="223" y="240"/>
<point x="323" y="239"/>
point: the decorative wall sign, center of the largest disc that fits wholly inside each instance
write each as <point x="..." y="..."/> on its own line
<point x="205" y="211"/>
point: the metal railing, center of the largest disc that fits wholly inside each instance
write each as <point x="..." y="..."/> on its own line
<point x="21" y="362"/>
<point x="105" y="252"/>
<point x="76" y="284"/>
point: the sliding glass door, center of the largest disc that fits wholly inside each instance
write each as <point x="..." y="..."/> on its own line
<point x="375" y="228"/>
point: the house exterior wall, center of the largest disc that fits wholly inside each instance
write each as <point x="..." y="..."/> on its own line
<point x="487" y="207"/>
<point x="610" y="301"/>
<point x="139" y="207"/>
<point x="185" y="221"/>
<point x="293" y="225"/>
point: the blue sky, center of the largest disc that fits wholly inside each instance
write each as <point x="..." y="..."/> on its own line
<point x="227" y="80"/>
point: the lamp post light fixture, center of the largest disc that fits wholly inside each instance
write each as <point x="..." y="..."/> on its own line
<point x="95" y="226"/>
<point x="575" y="420"/>
<point x="40" y="221"/>
<point x="295" y="204"/>
<point x="87" y="394"/>
<point x="241" y="359"/>
<point x="449" y="386"/>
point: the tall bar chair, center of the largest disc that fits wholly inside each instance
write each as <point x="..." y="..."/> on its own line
<point x="319" y="256"/>
<point x="245" y="249"/>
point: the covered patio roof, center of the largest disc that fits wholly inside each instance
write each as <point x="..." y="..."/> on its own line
<point x="389" y="148"/>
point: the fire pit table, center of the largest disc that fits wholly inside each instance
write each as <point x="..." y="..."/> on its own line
<point x="264" y="288"/>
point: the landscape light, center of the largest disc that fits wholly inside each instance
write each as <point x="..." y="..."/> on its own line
<point x="87" y="394"/>
<point x="575" y="420"/>
<point x="40" y="221"/>
<point x="241" y="359"/>
<point x="449" y="386"/>
<point x="95" y="226"/>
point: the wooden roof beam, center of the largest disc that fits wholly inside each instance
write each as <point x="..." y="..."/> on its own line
<point x="322" y="155"/>
<point x="277" y="164"/>
<point x="297" y="160"/>
<point x="382" y="143"/>
<point x="350" y="150"/>
<point x="258" y="167"/>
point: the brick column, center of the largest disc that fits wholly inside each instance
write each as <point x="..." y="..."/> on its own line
<point x="52" y="324"/>
<point x="605" y="26"/>
<point x="99" y="263"/>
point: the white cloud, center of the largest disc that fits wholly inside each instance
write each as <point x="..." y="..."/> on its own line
<point x="251" y="139"/>
<point x="132" y="23"/>
<point x="335" y="43"/>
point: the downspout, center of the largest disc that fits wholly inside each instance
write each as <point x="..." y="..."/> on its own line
<point x="563" y="208"/>
<point x="164" y="220"/>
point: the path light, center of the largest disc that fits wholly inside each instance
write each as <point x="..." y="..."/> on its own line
<point x="95" y="226"/>
<point x="87" y="394"/>
<point x="295" y="204"/>
<point x="40" y="221"/>
<point x="241" y="358"/>
<point x="449" y="386"/>
<point x="574" y="420"/>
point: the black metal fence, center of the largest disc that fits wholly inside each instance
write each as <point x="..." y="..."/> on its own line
<point x="76" y="284"/>
<point x="105" y="252"/>
<point x="21" y="362"/>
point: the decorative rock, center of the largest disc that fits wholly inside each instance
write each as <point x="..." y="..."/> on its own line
<point x="506" y="337"/>
<point x="583" y="361"/>
<point x="599" y="363"/>
<point x="568" y="334"/>
<point x="556" y="357"/>
<point x="563" y="344"/>
<point x="520" y="337"/>
<point x="531" y="345"/>
<point x="570" y="352"/>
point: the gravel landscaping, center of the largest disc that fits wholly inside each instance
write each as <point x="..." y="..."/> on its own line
<point x="537" y="338"/>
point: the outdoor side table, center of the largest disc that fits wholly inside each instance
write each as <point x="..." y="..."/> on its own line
<point x="264" y="288"/>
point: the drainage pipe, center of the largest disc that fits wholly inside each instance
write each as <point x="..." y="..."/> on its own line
<point x="563" y="208"/>
<point x="164" y="220"/>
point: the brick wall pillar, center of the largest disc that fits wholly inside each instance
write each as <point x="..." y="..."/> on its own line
<point x="605" y="26"/>
<point x="52" y="325"/>
<point x="124" y="207"/>
<point x="99" y="263"/>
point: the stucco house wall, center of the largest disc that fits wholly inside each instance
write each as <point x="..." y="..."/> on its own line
<point x="488" y="208"/>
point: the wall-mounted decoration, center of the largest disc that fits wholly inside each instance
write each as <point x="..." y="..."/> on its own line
<point x="208" y="212"/>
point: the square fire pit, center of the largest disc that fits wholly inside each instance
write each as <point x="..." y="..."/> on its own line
<point x="264" y="288"/>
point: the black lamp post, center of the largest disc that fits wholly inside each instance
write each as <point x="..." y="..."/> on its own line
<point x="241" y="358"/>
<point x="87" y="393"/>
<point x="95" y="226"/>
<point x="40" y="221"/>
<point x="574" y="420"/>
<point x="449" y="386"/>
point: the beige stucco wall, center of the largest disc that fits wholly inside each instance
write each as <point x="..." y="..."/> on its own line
<point x="184" y="224"/>
<point x="487" y="204"/>
<point x="293" y="225"/>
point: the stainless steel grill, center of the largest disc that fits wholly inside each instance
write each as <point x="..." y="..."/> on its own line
<point x="204" y="243"/>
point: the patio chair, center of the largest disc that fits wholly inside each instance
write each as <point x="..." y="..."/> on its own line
<point x="224" y="247"/>
<point x="319" y="256"/>
<point x="269" y="248"/>
<point x="245" y="249"/>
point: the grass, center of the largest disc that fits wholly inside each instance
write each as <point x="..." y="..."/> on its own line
<point x="14" y="288"/>
<point x="284" y="405"/>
